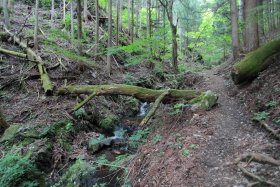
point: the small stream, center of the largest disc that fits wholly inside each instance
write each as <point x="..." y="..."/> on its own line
<point x="113" y="147"/>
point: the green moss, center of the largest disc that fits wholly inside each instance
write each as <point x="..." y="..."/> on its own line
<point x="76" y="173"/>
<point x="131" y="106"/>
<point x="255" y="62"/>
<point x="19" y="170"/>
<point x="205" y="101"/>
<point x="10" y="133"/>
<point x="108" y="122"/>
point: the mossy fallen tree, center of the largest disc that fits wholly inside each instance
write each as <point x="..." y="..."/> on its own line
<point x="196" y="98"/>
<point x="143" y="94"/>
<point x="33" y="57"/>
<point x="255" y="62"/>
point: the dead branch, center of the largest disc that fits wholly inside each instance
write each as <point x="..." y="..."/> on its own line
<point x="275" y="133"/>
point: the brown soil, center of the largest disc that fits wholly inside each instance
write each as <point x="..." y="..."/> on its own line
<point x="221" y="134"/>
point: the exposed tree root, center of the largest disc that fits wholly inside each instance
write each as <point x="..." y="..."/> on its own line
<point x="261" y="158"/>
<point x="275" y="133"/>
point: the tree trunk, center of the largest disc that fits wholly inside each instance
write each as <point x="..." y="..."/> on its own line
<point x="110" y="37"/>
<point x="52" y="14"/>
<point x="96" y="26"/>
<point x="128" y="17"/>
<point x="174" y="47"/>
<point x="72" y="22"/>
<point x="143" y="94"/>
<point x="251" y="25"/>
<point x="132" y="21"/>
<point x="255" y="62"/>
<point x="149" y="19"/>
<point x="6" y="13"/>
<point x="64" y="11"/>
<point x="36" y="25"/>
<point x="234" y="27"/>
<point x="118" y="22"/>
<point x="85" y="11"/>
<point x="3" y="124"/>
<point x="80" y="29"/>
<point x="137" y="18"/>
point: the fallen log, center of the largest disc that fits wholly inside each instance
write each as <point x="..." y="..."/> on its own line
<point x="32" y="56"/>
<point x="255" y="62"/>
<point x="12" y="53"/>
<point x="143" y="94"/>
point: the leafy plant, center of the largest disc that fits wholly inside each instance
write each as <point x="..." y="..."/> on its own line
<point x="139" y="137"/>
<point x="157" y="139"/>
<point x="18" y="170"/>
<point x="271" y="104"/>
<point x="186" y="153"/>
<point x="179" y="107"/>
<point x="194" y="146"/>
<point x="260" y="116"/>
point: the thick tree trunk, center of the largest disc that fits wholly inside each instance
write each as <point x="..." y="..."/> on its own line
<point x="251" y="25"/>
<point x="140" y="93"/>
<point x="255" y="62"/>
<point x="3" y="124"/>
<point x="118" y="22"/>
<point x="234" y="26"/>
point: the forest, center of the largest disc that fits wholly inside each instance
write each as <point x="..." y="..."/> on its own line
<point x="124" y="93"/>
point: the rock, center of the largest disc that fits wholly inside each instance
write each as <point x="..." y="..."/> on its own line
<point x="10" y="133"/>
<point x="204" y="102"/>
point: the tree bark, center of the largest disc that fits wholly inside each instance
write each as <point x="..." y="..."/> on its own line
<point x="6" y="13"/>
<point x="80" y="30"/>
<point x="64" y="11"/>
<point x="255" y="62"/>
<point x="143" y="94"/>
<point x="52" y="14"/>
<point x="96" y="26"/>
<point x="85" y="11"/>
<point x="118" y="22"/>
<point x="132" y="21"/>
<point x="251" y="25"/>
<point x="72" y="22"/>
<point x="128" y="16"/>
<point x="110" y="37"/>
<point x="12" y="53"/>
<point x="3" y="124"/>
<point x="234" y="27"/>
<point x="36" y="25"/>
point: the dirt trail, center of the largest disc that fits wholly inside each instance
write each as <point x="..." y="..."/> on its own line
<point x="233" y="134"/>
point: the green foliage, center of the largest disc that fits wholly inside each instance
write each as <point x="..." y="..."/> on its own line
<point x="271" y="104"/>
<point x="139" y="137"/>
<point x="45" y="3"/>
<point x="68" y="21"/>
<point x="17" y="170"/>
<point x="260" y="116"/>
<point x="179" y="108"/>
<point x="76" y="173"/>
<point x="157" y="139"/>
<point x="80" y="113"/>
<point x="108" y="122"/>
<point x="194" y="146"/>
<point x="186" y="153"/>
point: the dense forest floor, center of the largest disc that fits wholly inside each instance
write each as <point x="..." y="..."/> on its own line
<point x="182" y="147"/>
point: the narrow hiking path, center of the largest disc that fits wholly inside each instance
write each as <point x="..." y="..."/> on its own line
<point x="233" y="134"/>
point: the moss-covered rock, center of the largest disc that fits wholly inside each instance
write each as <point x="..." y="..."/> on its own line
<point x="205" y="101"/>
<point x="131" y="106"/>
<point x="79" y="174"/>
<point x="108" y="122"/>
<point x="10" y="133"/>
